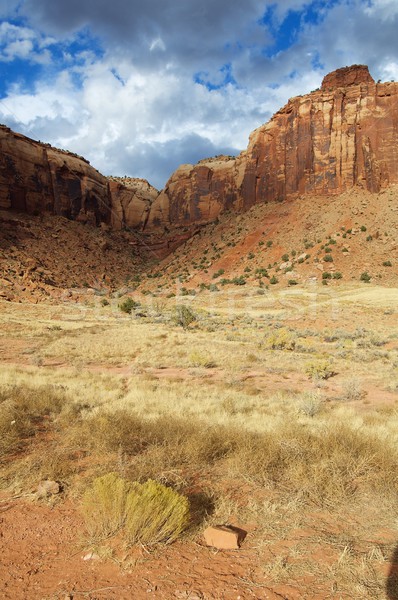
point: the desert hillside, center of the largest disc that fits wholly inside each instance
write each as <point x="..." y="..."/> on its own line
<point x="313" y="198"/>
<point x="199" y="386"/>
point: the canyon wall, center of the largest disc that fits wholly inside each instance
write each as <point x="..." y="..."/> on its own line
<point x="36" y="178"/>
<point x="345" y="134"/>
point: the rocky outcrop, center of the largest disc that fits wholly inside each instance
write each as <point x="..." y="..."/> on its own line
<point x="36" y="178"/>
<point x="131" y="202"/>
<point x="343" y="135"/>
<point x="197" y="194"/>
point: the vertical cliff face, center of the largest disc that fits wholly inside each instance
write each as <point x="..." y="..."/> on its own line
<point x="131" y="202"/>
<point x="36" y="178"/>
<point x="343" y="135"/>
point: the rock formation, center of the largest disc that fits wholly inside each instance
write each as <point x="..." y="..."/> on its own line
<point x="131" y="201"/>
<point x="36" y="178"/>
<point x="343" y="135"/>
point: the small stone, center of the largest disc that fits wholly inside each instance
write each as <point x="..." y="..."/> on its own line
<point x="224" y="537"/>
<point x="285" y="265"/>
<point x="91" y="556"/>
<point x="48" y="488"/>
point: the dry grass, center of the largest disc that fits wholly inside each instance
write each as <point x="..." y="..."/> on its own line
<point x="224" y="404"/>
<point x="148" y="513"/>
<point x="23" y="412"/>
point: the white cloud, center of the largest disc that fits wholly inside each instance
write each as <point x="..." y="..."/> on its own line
<point x="135" y="108"/>
<point x="383" y="9"/>
<point x="18" y="42"/>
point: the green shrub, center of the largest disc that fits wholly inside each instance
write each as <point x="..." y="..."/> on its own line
<point x="155" y="514"/>
<point x="285" y="257"/>
<point x="292" y="282"/>
<point x="183" y="316"/>
<point x="239" y="280"/>
<point x="104" y="302"/>
<point x="328" y="258"/>
<point x="128" y="305"/>
<point x="201" y="359"/>
<point x="326" y="275"/>
<point x="337" y="275"/>
<point x="104" y="506"/>
<point x="365" y="277"/>
<point x="274" y="280"/>
<point x="363" y="228"/>
<point x="148" y="513"/>
<point x="320" y="369"/>
<point x="218" y="273"/>
<point x="387" y="263"/>
<point x="281" y="339"/>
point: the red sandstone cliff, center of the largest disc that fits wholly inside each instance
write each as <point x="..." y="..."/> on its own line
<point x="36" y="178"/>
<point x="343" y="135"/>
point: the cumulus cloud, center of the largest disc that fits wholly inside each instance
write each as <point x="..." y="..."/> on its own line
<point x="23" y="43"/>
<point x="140" y="87"/>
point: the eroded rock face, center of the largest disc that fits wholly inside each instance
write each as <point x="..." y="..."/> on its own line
<point x="353" y="75"/>
<point x="131" y="202"/>
<point x="340" y="136"/>
<point x="36" y="178"/>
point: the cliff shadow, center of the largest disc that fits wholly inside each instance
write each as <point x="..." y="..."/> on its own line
<point x="392" y="579"/>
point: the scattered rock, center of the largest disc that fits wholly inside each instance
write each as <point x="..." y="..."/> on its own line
<point x="91" y="556"/>
<point x="48" y="488"/>
<point x="224" y="537"/>
<point x="285" y="265"/>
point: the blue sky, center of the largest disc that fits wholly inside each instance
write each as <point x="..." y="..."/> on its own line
<point x="141" y="87"/>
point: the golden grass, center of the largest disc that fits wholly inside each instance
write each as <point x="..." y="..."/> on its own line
<point x="223" y="404"/>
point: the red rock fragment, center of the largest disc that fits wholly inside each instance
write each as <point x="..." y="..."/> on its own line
<point x="224" y="537"/>
<point x="48" y="488"/>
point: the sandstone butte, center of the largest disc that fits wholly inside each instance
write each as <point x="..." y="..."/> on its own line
<point x="342" y="135"/>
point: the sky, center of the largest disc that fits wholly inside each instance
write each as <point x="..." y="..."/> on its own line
<point x="139" y="87"/>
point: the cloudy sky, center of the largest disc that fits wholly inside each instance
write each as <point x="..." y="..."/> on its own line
<point x="141" y="86"/>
